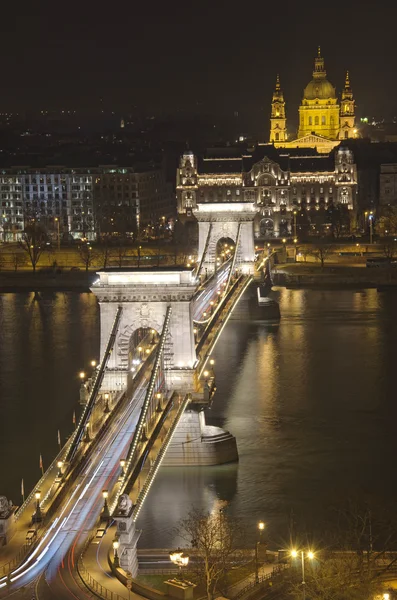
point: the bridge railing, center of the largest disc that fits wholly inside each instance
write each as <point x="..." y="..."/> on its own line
<point x="236" y="248"/>
<point x="207" y="241"/>
<point x="11" y="564"/>
<point x="92" y="584"/>
<point x="145" y="407"/>
<point x="159" y="458"/>
<point x="95" y="389"/>
<point x="232" y="300"/>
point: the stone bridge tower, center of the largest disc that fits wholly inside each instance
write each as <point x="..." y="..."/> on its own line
<point x="145" y="295"/>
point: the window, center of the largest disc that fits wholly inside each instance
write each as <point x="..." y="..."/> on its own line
<point x="323" y="120"/>
<point x="316" y="120"/>
<point x="346" y="135"/>
<point x="310" y="121"/>
<point x="330" y="190"/>
<point x="277" y="137"/>
<point x="237" y="192"/>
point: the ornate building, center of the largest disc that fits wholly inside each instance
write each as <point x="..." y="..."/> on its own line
<point x="291" y="192"/>
<point x="323" y="122"/>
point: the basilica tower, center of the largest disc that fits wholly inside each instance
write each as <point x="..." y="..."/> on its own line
<point x="347" y="117"/>
<point x="319" y="111"/>
<point x="278" y="121"/>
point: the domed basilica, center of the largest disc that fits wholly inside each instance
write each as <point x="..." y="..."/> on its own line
<point x="323" y="122"/>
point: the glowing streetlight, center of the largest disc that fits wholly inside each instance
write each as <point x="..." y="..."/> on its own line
<point x="212" y="362"/>
<point x="179" y="559"/>
<point x="37" y="517"/>
<point x="122" y="465"/>
<point x="116" y="545"/>
<point x="310" y="555"/>
<point x="93" y="364"/>
<point x="82" y="375"/>
<point x="261" y="527"/>
<point x="59" y="465"/>
<point x="105" y="509"/>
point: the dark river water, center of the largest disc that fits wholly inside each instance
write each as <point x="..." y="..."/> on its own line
<point x="312" y="403"/>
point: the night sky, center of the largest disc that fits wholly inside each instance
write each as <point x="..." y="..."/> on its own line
<point x="199" y="57"/>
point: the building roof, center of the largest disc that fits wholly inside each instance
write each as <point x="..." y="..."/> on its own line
<point x="220" y="165"/>
<point x="319" y="88"/>
<point x="312" y="164"/>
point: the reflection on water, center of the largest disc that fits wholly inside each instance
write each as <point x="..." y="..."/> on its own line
<point x="45" y="341"/>
<point x="311" y="403"/>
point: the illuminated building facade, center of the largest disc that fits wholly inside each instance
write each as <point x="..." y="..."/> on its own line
<point x="323" y="122"/>
<point x="280" y="191"/>
<point x="82" y="202"/>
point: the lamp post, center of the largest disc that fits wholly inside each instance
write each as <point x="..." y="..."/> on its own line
<point x="37" y="517"/>
<point x="294" y="213"/>
<point x="179" y="559"/>
<point x="370" y="218"/>
<point x="58" y="238"/>
<point x="105" y="510"/>
<point x="122" y="465"/>
<point x="261" y="527"/>
<point x="310" y="556"/>
<point x="59" y="465"/>
<point x="116" y="560"/>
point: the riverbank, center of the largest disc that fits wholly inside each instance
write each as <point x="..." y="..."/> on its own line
<point x="334" y="276"/>
<point x="79" y="281"/>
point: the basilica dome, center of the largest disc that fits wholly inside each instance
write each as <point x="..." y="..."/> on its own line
<point x="319" y="88"/>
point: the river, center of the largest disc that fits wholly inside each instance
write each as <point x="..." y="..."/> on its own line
<point x="311" y="402"/>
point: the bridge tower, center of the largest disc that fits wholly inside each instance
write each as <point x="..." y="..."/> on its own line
<point x="145" y="295"/>
<point x="221" y="213"/>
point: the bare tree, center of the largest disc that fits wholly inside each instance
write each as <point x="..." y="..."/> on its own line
<point x="120" y="253"/>
<point x="333" y="575"/>
<point x="389" y="250"/>
<point x="216" y="539"/>
<point x="104" y="251"/>
<point x="18" y="260"/>
<point x="34" y="240"/>
<point x="87" y="255"/>
<point x="321" y="252"/>
<point x="360" y="550"/>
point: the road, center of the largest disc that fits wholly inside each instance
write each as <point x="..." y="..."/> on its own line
<point x="209" y="292"/>
<point x="78" y="514"/>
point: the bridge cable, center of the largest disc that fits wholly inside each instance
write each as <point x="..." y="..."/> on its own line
<point x="95" y="389"/>
<point x="148" y="397"/>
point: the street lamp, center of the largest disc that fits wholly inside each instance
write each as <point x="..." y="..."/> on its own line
<point x="310" y="556"/>
<point x="105" y="510"/>
<point x="370" y="218"/>
<point x="82" y="375"/>
<point x="58" y="239"/>
<point x="122" y="465"/>
<point x="93" y="364"/>
<point x="179" y="559"/>
<point x="59" y="465"/>
<point x="261" y="527"/>
<point x="294" y="213"/>
<point x="37" y="517"/>
<point x="116" y="545"/>
<point x="106" y="409"/>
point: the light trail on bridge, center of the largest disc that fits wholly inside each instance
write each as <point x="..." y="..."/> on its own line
<point x="74" y="517"/>
<point x="210" y="292"/>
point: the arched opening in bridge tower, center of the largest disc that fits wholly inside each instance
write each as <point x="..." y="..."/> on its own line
<point x="266" y="227"/>
<point x="284" y="231"/>
<point x="224" y="249"/>
<point x="141" y="345"/>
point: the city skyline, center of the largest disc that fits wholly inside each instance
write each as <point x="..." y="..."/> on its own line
<point x="202" y="61"/>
